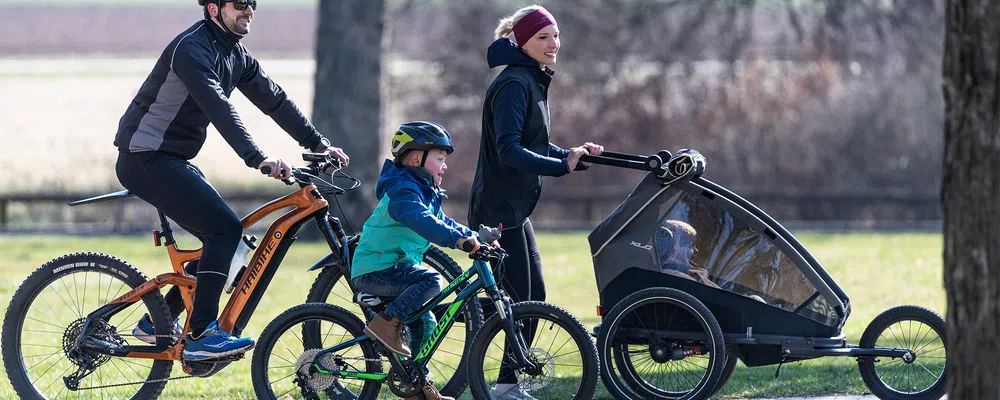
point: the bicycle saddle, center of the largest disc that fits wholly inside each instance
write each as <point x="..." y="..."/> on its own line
<point x="371" y="300"/>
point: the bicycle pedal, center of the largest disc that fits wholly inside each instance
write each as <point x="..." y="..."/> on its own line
<point x="206" y="368"/>
<point x="381" y="349"/>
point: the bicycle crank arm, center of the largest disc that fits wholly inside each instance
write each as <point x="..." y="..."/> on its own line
<point x="111" y="349"/>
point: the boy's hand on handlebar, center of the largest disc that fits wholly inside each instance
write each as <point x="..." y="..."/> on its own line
<point x="275" y="168"/>
<point x="469" y="244"/>
<point x="574" y="156"/>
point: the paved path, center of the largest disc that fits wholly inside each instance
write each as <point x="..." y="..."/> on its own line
<point x="863" y="397"/>
<point x="845" y="397"/>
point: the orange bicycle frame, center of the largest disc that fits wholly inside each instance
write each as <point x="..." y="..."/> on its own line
<point x="305" y="202"/>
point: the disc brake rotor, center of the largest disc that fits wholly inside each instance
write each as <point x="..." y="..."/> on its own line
<point x="547" y="366"/>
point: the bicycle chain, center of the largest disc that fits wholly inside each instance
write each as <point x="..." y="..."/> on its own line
<point x="148" y="380"/>
<point x="380" y="359"/>
<point x="195" y="376"/>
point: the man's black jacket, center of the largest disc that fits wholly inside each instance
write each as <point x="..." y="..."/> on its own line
<point x="190" y="87"/>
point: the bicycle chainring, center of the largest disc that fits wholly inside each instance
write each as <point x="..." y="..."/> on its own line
<point x="407" y="386"/>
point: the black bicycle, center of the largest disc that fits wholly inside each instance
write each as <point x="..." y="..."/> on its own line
<point x="537" y="348"/>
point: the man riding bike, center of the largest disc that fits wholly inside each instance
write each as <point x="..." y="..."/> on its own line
<point x="165" y="126"/>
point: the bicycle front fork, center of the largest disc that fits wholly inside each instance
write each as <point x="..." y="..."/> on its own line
<point x="512" y="329"/>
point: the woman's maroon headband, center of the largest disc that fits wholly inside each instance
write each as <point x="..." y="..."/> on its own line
<point x="530" y="24"/>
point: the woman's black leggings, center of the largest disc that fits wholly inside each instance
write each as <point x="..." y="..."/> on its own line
<point x="521" y="279"/>
<point x="179" y="189"/>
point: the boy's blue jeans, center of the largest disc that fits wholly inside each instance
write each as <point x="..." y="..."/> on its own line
<point x="413" y="286"/>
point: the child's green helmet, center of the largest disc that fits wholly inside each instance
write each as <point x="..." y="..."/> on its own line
<point x="420" y="135"/>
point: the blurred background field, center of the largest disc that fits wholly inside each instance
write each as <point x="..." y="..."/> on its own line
<point x="828" y="113"/>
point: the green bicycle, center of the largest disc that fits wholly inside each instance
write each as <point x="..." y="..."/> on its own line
<point x="318" y="350"/>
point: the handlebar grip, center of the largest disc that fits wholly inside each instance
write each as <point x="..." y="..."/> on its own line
<point x="290" y="180"/>
<point x="468" y="245"/>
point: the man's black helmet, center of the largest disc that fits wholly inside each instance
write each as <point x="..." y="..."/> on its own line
<point x="420" y="135"/>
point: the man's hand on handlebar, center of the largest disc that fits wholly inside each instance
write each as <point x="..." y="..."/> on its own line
<point x="275" y="168"/>
<point x="337" y="153"/>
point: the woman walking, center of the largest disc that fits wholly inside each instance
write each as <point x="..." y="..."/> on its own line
<point x="515" y="153"/>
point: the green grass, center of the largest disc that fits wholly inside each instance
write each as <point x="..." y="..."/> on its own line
<point x="877" y="271"/>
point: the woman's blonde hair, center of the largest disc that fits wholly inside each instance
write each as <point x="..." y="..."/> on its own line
<point x="506" y="26"/>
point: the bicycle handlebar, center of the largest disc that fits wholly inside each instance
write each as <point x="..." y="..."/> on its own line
<point x="318" y="164"/>
<point x="631" y="161"/>
<point x="486" y="251"/>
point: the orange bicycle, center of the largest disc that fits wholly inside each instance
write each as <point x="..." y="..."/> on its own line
<point x="69" y="326"/>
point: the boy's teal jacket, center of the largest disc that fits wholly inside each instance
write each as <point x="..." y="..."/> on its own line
<point x="406" y="221"/>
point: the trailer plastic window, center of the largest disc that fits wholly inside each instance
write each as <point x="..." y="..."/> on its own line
<point x="699" y="241"/>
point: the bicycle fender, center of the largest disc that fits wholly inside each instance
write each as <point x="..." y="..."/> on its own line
<point x="324" y="262"/>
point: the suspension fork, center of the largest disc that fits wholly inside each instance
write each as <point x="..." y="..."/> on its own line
<point x="516" y="341"/>
<point x="334" y="235"/>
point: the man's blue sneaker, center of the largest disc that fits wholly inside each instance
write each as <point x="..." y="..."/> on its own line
<point x="145" y="331"/>
<point x="214" y="343"/>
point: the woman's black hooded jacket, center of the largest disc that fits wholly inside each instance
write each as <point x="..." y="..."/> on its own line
<point x="514" y="152"/>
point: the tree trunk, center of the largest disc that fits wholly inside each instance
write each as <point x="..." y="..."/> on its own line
<point x="969" y="197"/>
<point x="348" y="101"/>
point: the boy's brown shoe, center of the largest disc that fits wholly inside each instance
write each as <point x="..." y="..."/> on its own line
<point x="390" y="333"/>
<point x="431" y="393"/>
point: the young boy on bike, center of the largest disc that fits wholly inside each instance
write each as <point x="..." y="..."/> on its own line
<point x="406" y="221"/>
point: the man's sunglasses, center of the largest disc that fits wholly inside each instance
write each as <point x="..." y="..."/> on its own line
<point x="243" y="4"/>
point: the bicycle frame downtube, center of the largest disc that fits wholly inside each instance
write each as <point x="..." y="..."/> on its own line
<point x="447" y="320"/>
<point x="469" y="291"/>
<point x="267" y="257"/>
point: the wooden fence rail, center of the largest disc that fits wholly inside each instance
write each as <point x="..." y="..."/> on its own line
<point x="589" y="206"/>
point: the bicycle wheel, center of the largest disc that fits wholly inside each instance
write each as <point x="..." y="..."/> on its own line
<point x="661" y="343"/>
<point x="727" y="371"/>
<point x="45" y="318"/>
<point x="634" y="381"/>
<point x="921" y="374"/>
<point x="285" y="349"/>
<point x="447" y="368"/>
<point x="566" y="359"/>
